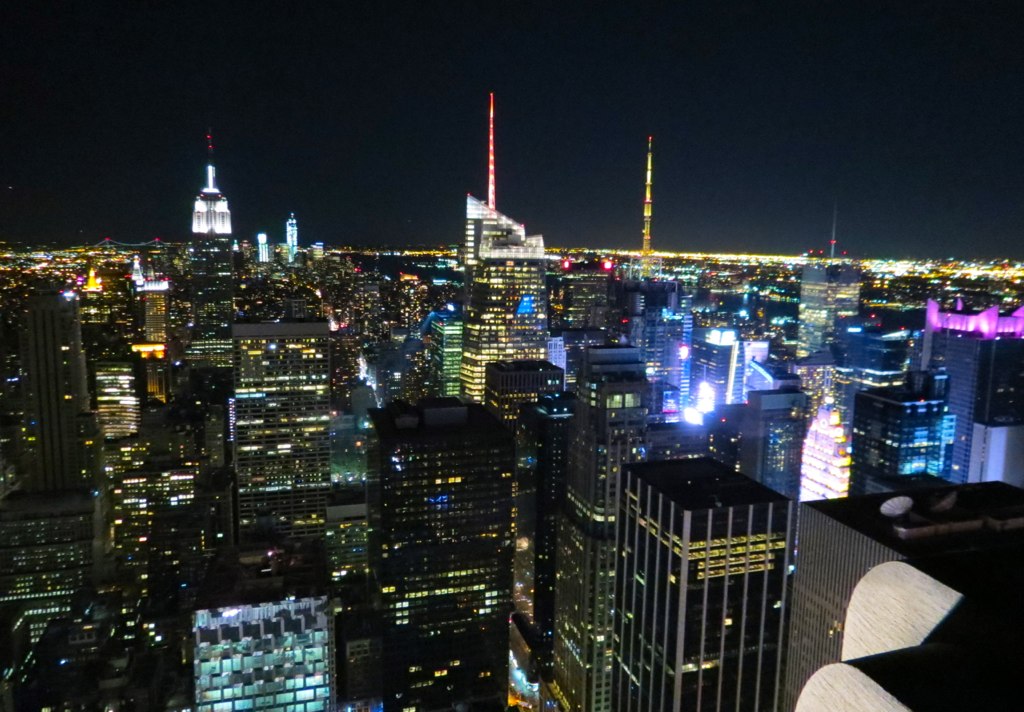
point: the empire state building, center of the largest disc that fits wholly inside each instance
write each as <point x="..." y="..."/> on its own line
<point x="212" y="284"/>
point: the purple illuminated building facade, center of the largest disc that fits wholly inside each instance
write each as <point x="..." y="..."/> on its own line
<point x="983" y="353"/>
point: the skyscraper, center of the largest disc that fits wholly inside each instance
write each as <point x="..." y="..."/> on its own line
<point x="506" y="310"/>
<point x="700" y="589"/>
<point x="280" y="426"/>
<point x="440" y="508"/>
<point x="717" y="369"/>
<point x="506" y="296"/>
<point x="656" y="318"/>
<point x="512" y="384"/>
<point x="825" y="462"/>
<point x="117" y="404"/>
<point x="444" y="351"/>
<point x="262" y="248"/>
<point x="58" y="429"/>
<point x="542" y="452"/>
<point x="210" y="260"/>
<point x="869" y="358"/>
<point x="983" y="353"/>
<point x="902" y="434"/>
<point x="828" y="291"/>
<point x="608" y="432"/>
<point x="772" y="426"/>
<point x="291" y="238"/>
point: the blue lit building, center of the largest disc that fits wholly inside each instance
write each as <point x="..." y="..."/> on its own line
<point x="902" y="435"/>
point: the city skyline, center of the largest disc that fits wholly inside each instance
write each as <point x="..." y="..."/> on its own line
<point x="762" y="118"/>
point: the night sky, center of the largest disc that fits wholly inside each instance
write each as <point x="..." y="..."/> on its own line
<point x="369" y="121"/>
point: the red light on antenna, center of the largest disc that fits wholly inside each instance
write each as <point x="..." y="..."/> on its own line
<point x="607" y="265"/>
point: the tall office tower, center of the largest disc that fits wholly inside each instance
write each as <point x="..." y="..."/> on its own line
<point x="210" y="260"/>
<point x="506" y="310"/>
<point x="608" y="432"/>
<point x="117" y="405"/>
<point x="983" y="354"/>
<point x="262" y="248"/>
<point x="567" y="347"/>
<point x="825" y="462"/>
<point x="291" y="238"/>
<point x="512" y="384"/>
<point x="700" y="589"/>
<point x="841" y="539"/>
<point x="772" y="426"/>
<point x="154" y="295"/>
<point x="440" y="506"/>
<point x="717" y="370"/>
<point x="828" y="292"/>
<point x="656" y="317"/>
<point x="817" y="378"/>
<point x="578" y="296"/>
<point x="445" y="352"/>
<point x="870" y="358"/>
<point x="59" y="432"/>
<point x="139" y="497"/>
<point x="542" y="451"/>
<point x="274" y="655"/>
<point x="280" y="426"/>
<point x="902" y="435"/>
<point x="46" y="552"/>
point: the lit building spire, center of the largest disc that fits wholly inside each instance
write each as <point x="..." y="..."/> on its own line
<point x="211" y="186"/>
<point x="646" y="253"/>
<point x="832" y="242"/>
<point x="491" y="203"/>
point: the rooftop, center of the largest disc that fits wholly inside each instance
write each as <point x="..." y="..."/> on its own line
<point x="939" y="520"/>
<point x="703" y="483"/>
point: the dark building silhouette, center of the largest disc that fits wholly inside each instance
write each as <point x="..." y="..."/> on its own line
<point x="440" y="508"/>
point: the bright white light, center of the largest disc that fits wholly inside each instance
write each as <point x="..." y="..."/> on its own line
<point x="693" y="416"/>
<point x="705" y="397"/>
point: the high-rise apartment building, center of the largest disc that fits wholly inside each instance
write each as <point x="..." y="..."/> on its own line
<point x="902" y="434"/>
<point x="280" y="426"/>
<point x="271" y="656"/>
<point x="608" y="432"/>
<point x="841" y="539"/>
<point x="700" y="588"/>
<point x="512" y="384"/>
<point x="210" y="261"/>
<point x="827" y="292"/>
<point x="263" y="643"/>
<point x="983" y="353"/>
<point x="506" y="298"/>
<point x="440" y="506"/>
